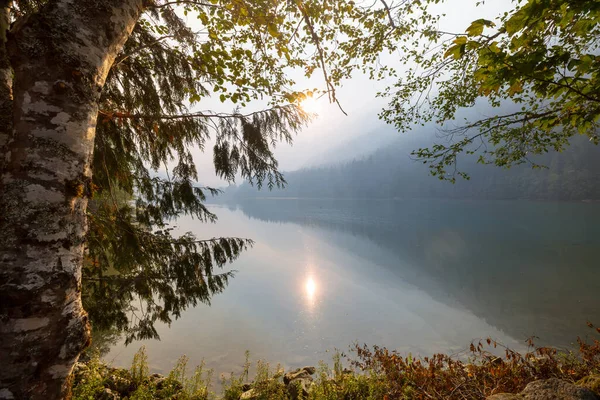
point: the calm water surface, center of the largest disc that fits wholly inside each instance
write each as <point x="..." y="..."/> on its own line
<point x="419" y="276"/>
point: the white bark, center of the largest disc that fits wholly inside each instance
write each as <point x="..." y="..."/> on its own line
<point x="60" y="58"/>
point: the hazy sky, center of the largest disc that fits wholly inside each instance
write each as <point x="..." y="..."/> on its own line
<point x="332" y="128"/>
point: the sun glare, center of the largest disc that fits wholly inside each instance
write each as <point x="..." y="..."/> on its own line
<point x="310" y="105"/>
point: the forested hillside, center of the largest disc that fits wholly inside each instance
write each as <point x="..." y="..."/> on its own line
<point x="392" y="173"/>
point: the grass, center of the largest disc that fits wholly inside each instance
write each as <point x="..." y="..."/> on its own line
<point x="377" y="373"/>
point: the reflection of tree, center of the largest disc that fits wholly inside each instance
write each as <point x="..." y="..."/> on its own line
<point x="138" y="273"/>
<point x="527" y="268"/>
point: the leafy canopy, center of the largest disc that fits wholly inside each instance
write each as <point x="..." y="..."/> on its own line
<point x="152" y="116"/>
<point x="541" y="59"/>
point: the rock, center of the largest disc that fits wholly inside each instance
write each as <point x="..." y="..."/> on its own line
<point x="553" y="389"/>
<point x="591" y="382"/>
<point x="80" y="371"/>
<point x="246" y="387"/>
<point x="156" y="377"/>
<point x="300" y="373"/>
<point x="159" y="382"/>
<point x="300" y="388"/>
<point x="107" y="394"/>
<point x="79" y="368"/>
<point x="310" y="370"/>
<point x="558" y="389"/>
<point x="121" y="385"/>
<point x="299" y="382"/>
<point x="505" y="396"/>
<point x="249" y="395"/>
<point x="164" y="383"/>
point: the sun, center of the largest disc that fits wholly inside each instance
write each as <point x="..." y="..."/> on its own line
<point x="310" y="105"/>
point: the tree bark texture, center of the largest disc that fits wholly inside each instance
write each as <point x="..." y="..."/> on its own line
<point x="59" y="58"/>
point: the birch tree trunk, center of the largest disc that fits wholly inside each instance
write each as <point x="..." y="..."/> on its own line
<point x="59" y="58"/>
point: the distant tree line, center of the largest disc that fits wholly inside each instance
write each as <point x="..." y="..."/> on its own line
<point x="392" y="173"/>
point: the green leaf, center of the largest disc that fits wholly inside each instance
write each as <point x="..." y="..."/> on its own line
<point x="461" y="40"/>
<point x="476" y="27"/>
<point x="455" y="51"/>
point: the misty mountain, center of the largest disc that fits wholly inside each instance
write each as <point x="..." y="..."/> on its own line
<point x="390" y="172"/>
<point x="355" y="148"/>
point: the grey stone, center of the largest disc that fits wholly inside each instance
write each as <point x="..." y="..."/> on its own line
<point x="159" y="382"/>
<point x="310" y="370"/>
<point x="120" y="385"/>
<point x="80" y="370"/>
<point x="249" y="395"/>
<point x="79" y="367"/>
<point x="300" y="373"/>
<point x="300" y="388"/>
<point x="556" y="389"/>
<point x="155" y="377"/>
<point x="246" y="387"/>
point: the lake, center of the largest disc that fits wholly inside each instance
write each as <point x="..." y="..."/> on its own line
<point x="419" y="276"/>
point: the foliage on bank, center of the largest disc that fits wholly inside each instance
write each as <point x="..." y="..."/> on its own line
<point x="487" y="368"/>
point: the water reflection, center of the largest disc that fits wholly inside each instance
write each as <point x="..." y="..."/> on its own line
<point x="310" y="289"/>
<point x="527" y="268"/>
<point x="331" y="289"/>
<point x="312" y="269"/>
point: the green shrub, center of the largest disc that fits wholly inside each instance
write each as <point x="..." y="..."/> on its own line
<point x="139" y="367"/>
<point x="89" y="381"/>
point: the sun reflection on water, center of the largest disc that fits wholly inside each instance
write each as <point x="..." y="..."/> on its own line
<point x="311" y="292"/>
<point x="310" y="288"/>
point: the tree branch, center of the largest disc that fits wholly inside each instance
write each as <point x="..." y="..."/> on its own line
<point x="138" y="49"/>
<point x="190" y="115"/>
<point x="389" y="13"/>
<point x="317" y="42"/>
<point x="180" y="2"/>
<point x="143" y="276"/>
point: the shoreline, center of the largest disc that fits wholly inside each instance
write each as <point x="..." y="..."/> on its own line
<point x="376" y="374"/>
